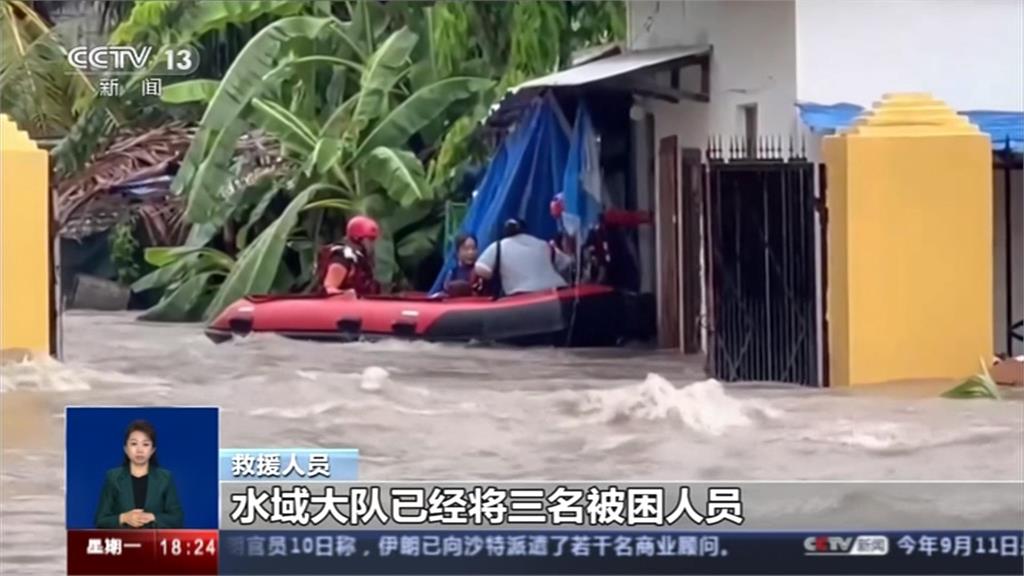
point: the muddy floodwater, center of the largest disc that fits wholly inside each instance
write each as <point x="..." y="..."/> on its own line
<point x="419" y="411"/>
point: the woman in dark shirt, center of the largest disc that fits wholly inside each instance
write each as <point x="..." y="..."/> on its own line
<point x="463" y="281"/>
<point x="139" y="494"/>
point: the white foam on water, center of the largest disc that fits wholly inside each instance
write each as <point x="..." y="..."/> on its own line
<point x="43" y="374"/>
<point x="300" y="412"/>
<point x="702" y="406"/>
<point x="607" y="443"/>
<point x="420" y="411"/>
<point x="397" y="345"/>
<point x="895" y="437"/>
<point x="49" y="375"/>
<point x="374" y="378"/>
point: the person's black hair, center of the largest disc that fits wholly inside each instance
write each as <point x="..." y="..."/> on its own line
<point x="512" y="227"/>
<point x="147" y="429"/>
<point x="461" y="239"/>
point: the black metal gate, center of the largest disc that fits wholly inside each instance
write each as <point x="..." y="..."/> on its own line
<point x="763" y="315"/>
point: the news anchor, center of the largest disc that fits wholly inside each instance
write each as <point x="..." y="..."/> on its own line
<point x="139" y="493"/>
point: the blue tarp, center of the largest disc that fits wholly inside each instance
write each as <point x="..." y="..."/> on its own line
<point x="1005" y="128"/>
<point x="523" y="177"/>
<point x="581" y="187"/>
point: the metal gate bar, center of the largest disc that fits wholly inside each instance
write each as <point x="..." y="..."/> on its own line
<point x="763" y="274"/>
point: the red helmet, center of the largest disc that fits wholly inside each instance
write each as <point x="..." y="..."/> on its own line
<point x="362" y="228"/>
<point x="557" y="206"/>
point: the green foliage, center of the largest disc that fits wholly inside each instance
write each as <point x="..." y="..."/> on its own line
<point x="540" y="50"/>
<point x="451" y="28"/>
<point x="204" y="169"/>
<point x="190" y="91"/>
<point x="39" y="90"/>
<point x="375" y="106"/>
<point x="189" y="279"/>
<point x="126" y="252"/>
<point x="358" y="154"/>
<point x="166" y="24"/>
<point x="399" y="172"/>
<point x="977" y="386"/>
<point x="518" y="41"/>
<point x="258" y="265"/>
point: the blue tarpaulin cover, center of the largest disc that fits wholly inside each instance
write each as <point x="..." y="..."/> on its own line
<point x="523" y="177"/>
<point x="582" y="182"/>
<point x="1005" y="128"/>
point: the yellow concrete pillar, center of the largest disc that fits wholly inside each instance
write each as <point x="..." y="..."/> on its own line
<point x="24" y="243"/>
<point x="910" y="244"/>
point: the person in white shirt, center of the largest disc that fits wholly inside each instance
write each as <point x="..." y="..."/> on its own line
<point x="527" y="263"/>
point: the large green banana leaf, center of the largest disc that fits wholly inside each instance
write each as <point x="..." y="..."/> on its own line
<point x="419" y="110"/>
<point x="383" y="70"/>
<point x="258" y="264"/>
<point x="288" y="128"/>
<point x="405" y="233"/>
<point x="185" y="21"/>
<point x="171" y="25"/>
<point x="38" y="88"/>
<point x="398" y="172"/>
<point x="201" y="90"/>
<point x="206" y="165"/>
<point x="186" y="302"/>
<point x="340" y="118"/>
<point x="370" y="21"/>
<point x="175" y="262"/>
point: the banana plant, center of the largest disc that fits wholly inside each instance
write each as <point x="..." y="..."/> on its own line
<point x="353" y="144"/>
<point x="168" y="25"/>
<point x="38" y="88"/>
<point x="375" y="106"/>
<point x="189" y="279"/>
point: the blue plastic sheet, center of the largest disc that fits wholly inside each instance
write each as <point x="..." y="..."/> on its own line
<point x="1005" y="128"/>
<point x="523" y="177"/>
<point x="582" y="184"/>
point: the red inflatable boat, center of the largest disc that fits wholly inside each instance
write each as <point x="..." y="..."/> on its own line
<point x="585" y="315"/>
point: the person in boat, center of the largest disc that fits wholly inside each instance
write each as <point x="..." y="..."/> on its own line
<point x="347" y="267"/>
<point x="521" y="262"/>
<point x="593" y="255"/>
<point x="463" y="279"/>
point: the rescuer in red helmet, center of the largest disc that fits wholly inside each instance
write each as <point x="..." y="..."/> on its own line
<point x="347" y="267"/>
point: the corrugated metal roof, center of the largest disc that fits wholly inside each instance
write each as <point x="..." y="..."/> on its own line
<point x="593" y="72"/>
<point x="613" y="66"/>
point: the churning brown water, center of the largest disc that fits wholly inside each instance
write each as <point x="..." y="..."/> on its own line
<point x="419" y="411"/>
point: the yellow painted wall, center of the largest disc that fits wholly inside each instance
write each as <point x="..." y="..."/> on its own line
<point x="910" y="244"/>
<point x="24" y="242"/>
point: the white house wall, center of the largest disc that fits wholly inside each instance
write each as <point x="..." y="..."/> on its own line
<point x="966" y="52"/>
<point x="754" y="62"/>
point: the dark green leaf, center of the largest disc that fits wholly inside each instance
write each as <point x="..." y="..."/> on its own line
<point x="326" y="154"/>
<point x="398" y="172"/>
<point x="419" y="110"/>
<point x="184" y="303"/>
<point x="205" y="168"/>
<point x="258" y="264"/>
<point x="330" y="204"/>
<point x="288" y="128"/>
<point x="190" y="91"/>
<point x="382" y="72"/>
<point x="254" y="217"/>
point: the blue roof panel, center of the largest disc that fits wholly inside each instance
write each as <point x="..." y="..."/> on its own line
<point x="1005" y="128"/>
